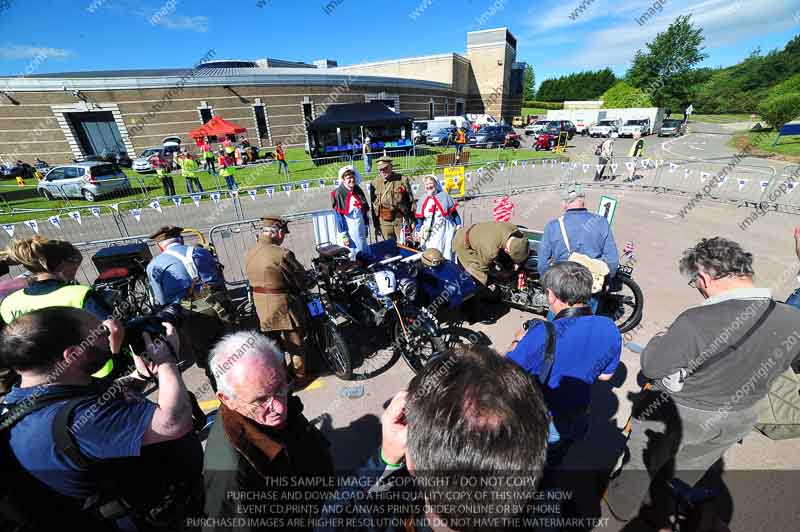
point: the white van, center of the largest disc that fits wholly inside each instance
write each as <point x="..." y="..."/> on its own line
<point x="460" y="121"/>
<point x="482" y="119"/>
<point x="437" y="125"/>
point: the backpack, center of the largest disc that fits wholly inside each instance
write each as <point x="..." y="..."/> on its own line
<point x="598" y="268"/>
<point x="599" y="149"/>
<point x="143" y="501"/>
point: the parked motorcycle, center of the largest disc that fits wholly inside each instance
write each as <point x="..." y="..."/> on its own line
<point x="323" y="335"/>
<point x="621" y="298"/>
<point x="383" y="293"/>
<point x="544" y="142"/>
<point x="511" y="141"/>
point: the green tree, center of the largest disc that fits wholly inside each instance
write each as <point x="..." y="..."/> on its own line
<point x="578" y="86"/>
<point x="778" y="110"/>
<point x="662" y="70"/>
<point x="623" y="95"/>
<point x="528" y="81"/>
<point x="790" y="86"/>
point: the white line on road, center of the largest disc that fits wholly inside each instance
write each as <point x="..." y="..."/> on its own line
<point x="665" y="215"/>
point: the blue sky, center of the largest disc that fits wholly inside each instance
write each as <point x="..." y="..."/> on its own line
<point x="60" y="35"/>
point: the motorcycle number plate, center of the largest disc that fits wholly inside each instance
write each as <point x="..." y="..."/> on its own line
<point x="316" y="308"/>
<point x="386" y="282"/>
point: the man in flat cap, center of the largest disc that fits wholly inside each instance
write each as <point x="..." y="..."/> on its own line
<point x="277" y="279"/>
<point x="392" y="200"/>
<point x="579" y="236"/>
<point x="477" y="246"/>
<point x="191" y="277"/>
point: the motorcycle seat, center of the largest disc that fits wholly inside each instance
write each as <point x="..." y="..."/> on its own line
<point x="332" y="251"/>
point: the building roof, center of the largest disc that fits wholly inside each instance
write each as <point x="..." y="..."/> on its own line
<point x="359" y="114"/>
<point x="204" y="76"/>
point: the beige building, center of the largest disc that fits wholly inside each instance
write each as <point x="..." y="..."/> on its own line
<point x="62" y="116"/>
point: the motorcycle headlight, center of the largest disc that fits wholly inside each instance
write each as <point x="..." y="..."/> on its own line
<point x="408" y="287"/>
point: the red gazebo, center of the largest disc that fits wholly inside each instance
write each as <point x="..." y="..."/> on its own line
<point x="216" y="127"/>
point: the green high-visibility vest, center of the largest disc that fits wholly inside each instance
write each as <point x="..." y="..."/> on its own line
<point x="19" y="303"/>
<point x="188" y="167"/>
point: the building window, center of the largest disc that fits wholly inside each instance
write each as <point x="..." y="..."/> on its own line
<point x="446" y="107"/>
<point x="206" y="114"/>
<point x="430" y="110"/>
<point x="261" y="125"/>
<point x="459" y="106"/>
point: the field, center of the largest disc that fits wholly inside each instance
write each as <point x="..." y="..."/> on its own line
<point x="16" y="203"/>
<point x="533" y="111"/>
<point x="762" y="144"/>
<point x="715" y="119"/>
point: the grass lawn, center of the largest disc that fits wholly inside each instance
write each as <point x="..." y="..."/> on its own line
<point x="14" y="200"/>
<point x="761" y="143"/>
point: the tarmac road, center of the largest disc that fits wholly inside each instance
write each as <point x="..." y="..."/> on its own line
<point x="761" y="476"/>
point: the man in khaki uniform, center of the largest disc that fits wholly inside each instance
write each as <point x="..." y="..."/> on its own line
<point x="391" y="199"/>
<point x="277" y="279"/>
<point x="478" y="245"/>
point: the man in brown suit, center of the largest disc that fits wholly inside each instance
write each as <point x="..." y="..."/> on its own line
<point x="277" y="279"/>
<point x="392" y="201"/>
<point x="478" y="245"/>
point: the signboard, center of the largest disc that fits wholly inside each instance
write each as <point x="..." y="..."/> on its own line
<point x="607" y="208"/>
<point x="562" y="143"/>
<point x="454" y="180"/>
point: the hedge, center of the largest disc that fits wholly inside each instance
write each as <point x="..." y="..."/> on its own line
<point x="542" y="105"/>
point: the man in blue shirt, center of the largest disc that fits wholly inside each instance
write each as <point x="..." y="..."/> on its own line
<point x="55" y="350"/>
<point x="587" y="348"/>
<point x="190" y="276"/>
<point x="588" y="233"/>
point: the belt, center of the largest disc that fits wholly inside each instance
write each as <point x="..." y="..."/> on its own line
<point x="264" y="290"/>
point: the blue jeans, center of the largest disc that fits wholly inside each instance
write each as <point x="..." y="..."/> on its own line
<point x="368" y="163"/>
<point x="593" y="303"/>
<point x="191" y="183"/>
<point x="230" y="182"/>
<point x="283" y="165"/>
<point x="559" y="441"/>
<point x="794" y="299"/>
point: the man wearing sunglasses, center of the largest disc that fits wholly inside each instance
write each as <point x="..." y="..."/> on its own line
<point x="263" y="458"/>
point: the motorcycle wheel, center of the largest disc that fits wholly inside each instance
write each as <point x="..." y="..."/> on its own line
<point x="334" y="350"/>
<point x="624" y="306"/>
<point x="418" y="349"/>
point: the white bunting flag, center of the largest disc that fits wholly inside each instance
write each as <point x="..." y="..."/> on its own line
<point x="469" y="177"/>
<point x="790" y="186"/>
<point x="156" y="206"/>
<point x="686" y="173"/>
<point x="305" y="186"/>
<point x="704" y="176"/>
<point x="287" y="189"/>
<point x="321" y="183"/>
<point x="552" y="163"/>
<point x="233" y="194"/>
<point x="659" y="163"/>
<point x="9" y="228"/>
<point x="722" y="180"/>
<point x="33" y="224"/>
<point x="270" y="192"/>
<point x="115" y="206"/>
<point x="253" y="194"/>
<point x="95" y="211"/>
<point x="599" y="167"/>
<point x="75" y="215"/>
<point x="137" y="214"/>
<point x="533" y="164"/>
<point x="585" y="168"/>
<point x="646" y="163"/>
<point x="630" y="165"/>
<point x="177" y="200"/>
<point x="503" y="166"/>
<point x="56" y="221"/>
<point x="672" y="167"/>
<point x="214" y="197"/>
<point x="764" y="185"/>
<point x="742" y="183"/>
<point x="514" y="162"/>
<point x="614" y="167"/>
<point x="524" y="163"/>
<point x="196" y="199"/>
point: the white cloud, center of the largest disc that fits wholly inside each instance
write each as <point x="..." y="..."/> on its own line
<point x="19" y="51"/>
<point x="723" y="23"/>
<point x="180" y="22"/>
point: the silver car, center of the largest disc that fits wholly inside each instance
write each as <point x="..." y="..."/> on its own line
<point x="83" y="180"/>
<point x="142" y="163"/>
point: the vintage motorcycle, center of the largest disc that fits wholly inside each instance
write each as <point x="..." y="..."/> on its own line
<point x="621" y="298"/>
<point x="390" y="289"/>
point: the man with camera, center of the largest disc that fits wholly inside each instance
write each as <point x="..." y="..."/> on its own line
<point x="103" y="457"/>
<point x="191" y="277"/>
<point x="277" y="280"/>
<point x="568" y="354"/>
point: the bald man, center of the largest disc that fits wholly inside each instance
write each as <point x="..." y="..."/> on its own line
<point x="261" y="445"/>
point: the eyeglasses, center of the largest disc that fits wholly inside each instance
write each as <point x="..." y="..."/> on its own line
<point x="267" y="402"/>
<point x="693" y="282"/>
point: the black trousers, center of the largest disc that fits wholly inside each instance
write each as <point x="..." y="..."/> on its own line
<point x="168" y="184"/>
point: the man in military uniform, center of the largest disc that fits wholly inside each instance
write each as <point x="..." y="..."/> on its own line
<point x="190" y="276"/>
<point x="392" y="201"/>
<point x="277" y="279"/>
<point x="478" y="245"/>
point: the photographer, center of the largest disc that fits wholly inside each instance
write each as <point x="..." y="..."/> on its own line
<point x="54" y="265"/>
<point x="99" y="453"/>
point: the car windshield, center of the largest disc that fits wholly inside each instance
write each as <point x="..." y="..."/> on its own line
<point x="606" y="123"/>
<point x="635" y="122"/>
<point x="671" y="123"/>
<point x="148" y="152"/>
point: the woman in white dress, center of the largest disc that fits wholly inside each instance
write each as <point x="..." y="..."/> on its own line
<point x="351" y="210"/>
<point x="437" y="218"/>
